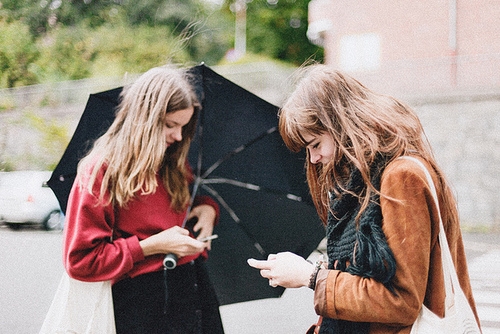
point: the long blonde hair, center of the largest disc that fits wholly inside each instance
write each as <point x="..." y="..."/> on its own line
<point x="363" y="124"/>
<point x="133" y="150"/>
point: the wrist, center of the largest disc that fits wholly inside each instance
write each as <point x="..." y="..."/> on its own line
<point x="314" y="274"/>
<point x="149" y="247"/>
<point x="146" y="248"/>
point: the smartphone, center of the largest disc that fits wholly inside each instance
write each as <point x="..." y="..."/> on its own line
<point x="210" y="237"/>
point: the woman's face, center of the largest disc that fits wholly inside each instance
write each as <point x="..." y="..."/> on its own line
<point x="174" y="122"/>
<point x="321" y="147"/>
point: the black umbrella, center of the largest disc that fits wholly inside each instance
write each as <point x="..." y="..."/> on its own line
<point x="95" y="120"/>
<point x="240" y="160"/>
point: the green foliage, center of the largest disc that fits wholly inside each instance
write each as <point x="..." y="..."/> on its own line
<point x="80" y="39"/>
<point x="122" y="49"/>
<point x="6" y="103"/>
<point x="6" y="165"/>
<point x="278" y="29"/>
<point x="39" y="142"/>
<point x="53" y="140"/>
<point x="71" y="53"/>
<point x="73" y="40"/>
<point x="211" y="38"/>
<point x="17" y="53"/>
<point x="203" y="30"/>
<point x="67" y="53"/>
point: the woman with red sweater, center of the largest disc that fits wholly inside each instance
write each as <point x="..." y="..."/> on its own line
<point x="127" y="206"/>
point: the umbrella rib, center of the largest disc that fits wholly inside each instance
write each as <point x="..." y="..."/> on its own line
<point x="222" y="202"/>
<point x="214" y="193"/>
<point x="236" y="151"/>
<point x="249" y="186"/>
<point x="232" y="182"/>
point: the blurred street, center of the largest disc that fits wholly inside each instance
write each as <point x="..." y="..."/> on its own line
<point x="483" y="255"/>
<point x="32" y="268"/>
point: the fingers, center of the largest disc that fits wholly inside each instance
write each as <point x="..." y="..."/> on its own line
<point x="179" y="230"/>
<point x="272" y="257"/>
<point x="262" y="264"/>
<point x="204" y="226"/>
<point x="259" y="264"/>
<point x="266" y="273"/>
<point x="284" y="269"/>
<point x="184" y="241"/>
<point x="206" y="216"/>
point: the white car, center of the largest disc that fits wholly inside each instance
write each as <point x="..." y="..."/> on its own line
<point x="26" y="198"/>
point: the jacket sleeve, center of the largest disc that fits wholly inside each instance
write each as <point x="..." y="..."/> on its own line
<point x="410" y="235"/>
<point x="89" y="254"/>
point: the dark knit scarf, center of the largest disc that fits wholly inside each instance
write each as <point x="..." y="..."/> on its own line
<point x="373" y="257"/>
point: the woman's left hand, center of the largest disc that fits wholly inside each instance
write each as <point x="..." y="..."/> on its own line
<point x="206" y="218"/>
<point x="285" y="269"/>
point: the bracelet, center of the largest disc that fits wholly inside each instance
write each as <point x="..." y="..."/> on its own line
<point x="314" y="274"/>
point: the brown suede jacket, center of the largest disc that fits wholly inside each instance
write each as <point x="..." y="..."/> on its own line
<point x="411" y="226"/>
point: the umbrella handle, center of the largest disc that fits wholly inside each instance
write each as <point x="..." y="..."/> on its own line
<point x="170" y="261"/>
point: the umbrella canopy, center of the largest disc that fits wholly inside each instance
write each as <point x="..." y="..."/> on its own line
<point x="97" y="117"/>
<point x="240" y="160"/>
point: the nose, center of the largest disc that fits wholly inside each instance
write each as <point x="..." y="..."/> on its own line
<point x="177" y="134"/>
<point x="314" y="158"/>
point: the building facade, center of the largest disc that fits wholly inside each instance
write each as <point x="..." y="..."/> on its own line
<point x="411" y="46"/>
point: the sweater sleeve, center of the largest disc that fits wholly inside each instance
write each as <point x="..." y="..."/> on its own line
<point x="409" y="232"/>
<point x="89" y="253"/>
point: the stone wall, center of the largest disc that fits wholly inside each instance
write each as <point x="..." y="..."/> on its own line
<point x="464" y="131"/>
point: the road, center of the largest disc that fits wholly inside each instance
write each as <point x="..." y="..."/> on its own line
<point x="483" y="255"/>
<point x="31" y="270"/>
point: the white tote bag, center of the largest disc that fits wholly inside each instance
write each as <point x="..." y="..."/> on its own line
<point x="458" y="317"/>
<point x="80" y="308"/>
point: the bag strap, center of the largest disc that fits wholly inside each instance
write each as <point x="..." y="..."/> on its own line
<point x="449" y="272"/>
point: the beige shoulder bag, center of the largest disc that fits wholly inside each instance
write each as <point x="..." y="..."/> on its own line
<point x="458" y="317"/>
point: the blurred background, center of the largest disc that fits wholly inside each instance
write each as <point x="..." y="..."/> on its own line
<point x="442" y="57"/>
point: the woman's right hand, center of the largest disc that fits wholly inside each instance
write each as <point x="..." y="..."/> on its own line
<point x="175" y="240"/>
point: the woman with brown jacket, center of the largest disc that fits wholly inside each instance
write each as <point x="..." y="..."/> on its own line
<point x="382" y="226"/>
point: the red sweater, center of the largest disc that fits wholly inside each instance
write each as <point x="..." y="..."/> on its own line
<point x="88" y="252"/>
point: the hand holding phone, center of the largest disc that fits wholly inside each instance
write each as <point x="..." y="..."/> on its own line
<point x="210" y="237"/>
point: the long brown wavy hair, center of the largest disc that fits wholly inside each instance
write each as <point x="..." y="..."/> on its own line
<point x="364" y="125"/>
<point x="134" y="149"/>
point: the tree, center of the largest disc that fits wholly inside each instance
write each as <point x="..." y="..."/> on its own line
<point x="202" y="28"/>
<point x="65" y="38"/>
<point x="17" y="53"/>
<point x="278" y="29"/>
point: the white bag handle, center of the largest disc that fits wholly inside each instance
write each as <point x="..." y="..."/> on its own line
<point x="458" y="317"/>
<point x="449" y="271"/>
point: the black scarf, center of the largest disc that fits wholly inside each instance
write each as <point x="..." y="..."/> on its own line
<point x="373" y="257"/>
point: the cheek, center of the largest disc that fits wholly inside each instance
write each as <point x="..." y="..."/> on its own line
<point x="167" y="132"/>
<point x="329" y="150"/>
